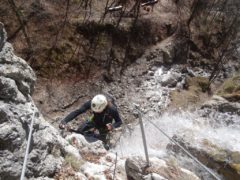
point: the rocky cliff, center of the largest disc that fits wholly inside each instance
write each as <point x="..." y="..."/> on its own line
<point x="168" y="63"/>
<point x="51" y="156"/>
<point x="47" y="148"/>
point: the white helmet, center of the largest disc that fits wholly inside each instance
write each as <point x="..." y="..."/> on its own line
<point x="99" y="103"/>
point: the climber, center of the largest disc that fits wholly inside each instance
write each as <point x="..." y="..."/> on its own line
<point x="104" y="111"/>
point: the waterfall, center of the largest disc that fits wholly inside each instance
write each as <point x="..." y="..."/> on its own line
<point x="196" y="127"/>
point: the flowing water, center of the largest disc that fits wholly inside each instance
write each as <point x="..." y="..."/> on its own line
<point x="196" y="127"/>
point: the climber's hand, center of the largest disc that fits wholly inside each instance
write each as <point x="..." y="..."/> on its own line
<point x="109" y="127"/>
<point x="62" y="126"/>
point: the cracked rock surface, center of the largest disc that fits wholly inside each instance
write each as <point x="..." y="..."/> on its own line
<point x="48" y="148"/>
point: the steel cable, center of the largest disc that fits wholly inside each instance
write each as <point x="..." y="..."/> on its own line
<point x="186" y="151"/>
<point x="28" y="145"/>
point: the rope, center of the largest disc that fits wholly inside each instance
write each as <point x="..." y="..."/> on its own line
<point x="188" y="153"/>
<point x="27" y="148"/>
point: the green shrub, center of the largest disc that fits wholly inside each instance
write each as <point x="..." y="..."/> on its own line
<point x="231" y="89"/>
<point x="231" y="85"/>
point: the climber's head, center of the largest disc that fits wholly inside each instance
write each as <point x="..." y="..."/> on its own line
<point x="99" y="103"/>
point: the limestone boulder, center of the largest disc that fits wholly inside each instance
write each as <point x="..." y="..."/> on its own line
<point x="137" y="169"/>
<point x="222" y="105"/>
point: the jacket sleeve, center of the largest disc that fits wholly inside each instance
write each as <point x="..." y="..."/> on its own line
<point x="116" y="117"/>
<point x="72" y="115"/>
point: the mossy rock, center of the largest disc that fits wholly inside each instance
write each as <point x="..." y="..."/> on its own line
<point x="235" y="156"/>
<point x="193" y="95"/>
<point x="220" y="154"/>
<point x="215" y="152"/>
<point x="200" y="83"/>
<point x="74" y="162"/>
<point x="236" y="167"/>
<point x="230" y="89"/>
<point x="226" y="162"/>
<point x="184" y="98"/>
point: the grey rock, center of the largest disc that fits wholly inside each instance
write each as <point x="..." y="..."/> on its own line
<point x="3" y="116"/>
<point x="80" y="141"/>
<point x="17" y="69"/>
<point x="153" y="176"/>
<point x="137" y="169"/>
<point x="10" y="166"/>
<point x="48" y="148"/>
<point x="222" y="105"/>
<point x="134" y="168"/>
<point x="9" y="90"/>
<point x="223" y="159"/>
<point x="3" y="36"/>
<point x="170" y="79"/>
<point x="41" y="178"/>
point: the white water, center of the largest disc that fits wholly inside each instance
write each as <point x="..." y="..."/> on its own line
<point x="194" y="129"/>
<point x="190" y="126"/>
<point x="220" y="129"/>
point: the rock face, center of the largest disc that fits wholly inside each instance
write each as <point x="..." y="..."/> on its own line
<point x="48" y="152"/>
<point x="16" y="77"/>
<point x="224" y="161"/>
<point x="99" y="163"/>
<point x="222" y="105"/>
<point x="16" y="112"/>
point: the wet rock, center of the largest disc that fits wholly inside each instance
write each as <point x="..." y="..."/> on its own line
<point x="170" y="79"/>
<point x="91" y="146"/>
<point x="94" y="171"/>
<point x="224" y="161"/>
<point x="41" y="178"/>
<point x="153" y="176"/>
<point x="137" y="169"/>
<point x="230" y="89"/>
<point x="98" y="161"/>
<point x="220" y="104"/>
<point x="81" y="176"/>
<point x="151" y="73"/>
